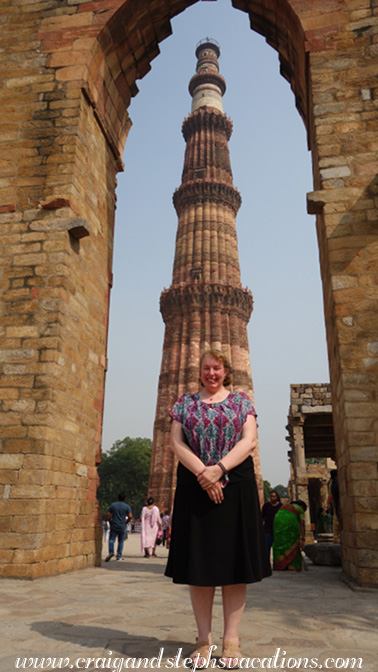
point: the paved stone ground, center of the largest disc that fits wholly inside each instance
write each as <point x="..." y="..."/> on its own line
<point x="132" y="610"/>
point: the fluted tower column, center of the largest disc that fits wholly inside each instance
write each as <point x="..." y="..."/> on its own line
<point x="206" y="305"/>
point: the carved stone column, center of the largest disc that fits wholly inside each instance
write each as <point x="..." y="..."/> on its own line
<point x="300" y="472"/>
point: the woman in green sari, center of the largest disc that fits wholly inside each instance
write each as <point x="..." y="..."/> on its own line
<point x="289" y="536"/>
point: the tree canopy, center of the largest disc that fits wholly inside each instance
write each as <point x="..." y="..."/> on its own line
<point x="125" y="468"/>
<point x="267" y="489"/>
<point x="281" y="489"/>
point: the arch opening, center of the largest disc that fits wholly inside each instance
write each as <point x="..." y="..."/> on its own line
<point x="253" y="216"/>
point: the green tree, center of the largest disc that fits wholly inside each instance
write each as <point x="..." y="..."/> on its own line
<point x="125" y="468"/>
<point x="267" y="489"/>
<point x="282" y="491"/>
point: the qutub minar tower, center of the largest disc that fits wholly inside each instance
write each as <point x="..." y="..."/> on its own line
<point x="206" y="305"/>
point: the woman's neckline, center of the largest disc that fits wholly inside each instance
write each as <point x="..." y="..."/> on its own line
<point x="208" y="402"/>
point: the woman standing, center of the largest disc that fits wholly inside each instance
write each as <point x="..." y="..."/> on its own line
<point x="217" y="535"/>
<point x="269" y="511"/>
<point x="150" y="525"/>
<point x="289" y="536"/>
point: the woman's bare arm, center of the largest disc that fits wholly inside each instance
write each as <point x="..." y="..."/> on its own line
<point x="236" y="456"/>
<point x="191" y="461"/>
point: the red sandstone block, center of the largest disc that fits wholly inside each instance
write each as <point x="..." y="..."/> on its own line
<point x="8" y="208"/>
<point x="9" y="418"/>
<point x="367" y="576"/>
<point x="66" y="466"/>
<point x="9" y="136"/>
<point x="65" y="522"/>
<point x="357" y="4"/>
<point x="62" y="551"/>
<point x="64" y="21"/>
<point x="325" y="20"/>
<point x="98" y="405"/>
<point x="12" y="344"/>
<point x="9" y="239"/>
<point x="362" y="471"/>
<point x="14" y="283"/>
<point x="66" y="104"/>
<point x="365" y="505"/>
<point x="50" y="46"/>
<point x="16" y="294"/>
<point x="5" y="557"/>
<point x="65" y="493"/>
<point x="48" y="568"/>
<point x="37" y="477"/>
<point x="85" y="44"/>
<point x="80" y="535"/>
<point x="18" y="272"/>
<point x="7" y="477"/>
<point x="28" y="182"/>
<point x="19" y="571"/>
<point x="15" y="540"/>
<point x="20" y="556"/>
<point x="67" y="480"/>
<point x="32" y="492"/>
<point x="34" y="293"/>
<point x="11" y="461"/>
<point x="37" y="523"/>
<point x="65" y="565"/>
<point x="365" y="540"/>
<point x="99" y="6"/>
<point x="17" y="445"/>
<point x="70" y="113"/>
<point x="67" y="58"/>
<point x="29" y="259"/>
<point x="10" y="393"/>
<point x="14" y="431"/>
<point x="363" y="488"/>
<point x="365" y="522"/>
<point x="86" y="507"/>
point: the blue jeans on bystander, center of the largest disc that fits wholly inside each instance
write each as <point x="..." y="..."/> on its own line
<point x="119" y="534"/>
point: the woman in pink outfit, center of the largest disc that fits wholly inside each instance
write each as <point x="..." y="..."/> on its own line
<point x="151" y="523"/>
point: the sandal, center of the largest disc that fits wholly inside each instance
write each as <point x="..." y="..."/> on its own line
<point x="200" y="655"/>
<point x="231" y="656"/>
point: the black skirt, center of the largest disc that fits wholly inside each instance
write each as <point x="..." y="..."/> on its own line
<point x="217" y="544"/>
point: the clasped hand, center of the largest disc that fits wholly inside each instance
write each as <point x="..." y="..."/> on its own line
<point x="209" y="481"/>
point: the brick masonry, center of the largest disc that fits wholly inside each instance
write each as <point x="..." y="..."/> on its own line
<point x="69" y="70"/>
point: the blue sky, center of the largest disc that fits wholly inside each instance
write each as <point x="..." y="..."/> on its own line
<point x="277" y="239"/>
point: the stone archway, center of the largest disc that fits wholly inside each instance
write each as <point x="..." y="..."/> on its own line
<point x="70" y="76"/>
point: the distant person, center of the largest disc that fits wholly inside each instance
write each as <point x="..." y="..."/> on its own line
<point x="289" y="536"/>
<point x="269" y="510"/>
<point x="334" y="500"/>
<point x="166" y="521"/>
<point x="321" y="523"/>
<point x="106" y="526"/>
<point x="119" y="514"/>
<point x="151" y="524"/>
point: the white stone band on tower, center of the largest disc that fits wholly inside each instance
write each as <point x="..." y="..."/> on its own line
<point x="207" y="86"/>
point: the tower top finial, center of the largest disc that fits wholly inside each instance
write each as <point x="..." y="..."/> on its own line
<point x="208" y="42"/>
<point x="207" y="86"/>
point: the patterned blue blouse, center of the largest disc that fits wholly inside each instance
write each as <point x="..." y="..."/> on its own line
<point x="212" y="430"/>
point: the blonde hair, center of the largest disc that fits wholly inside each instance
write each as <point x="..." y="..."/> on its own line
<point x="220" y="357"/>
